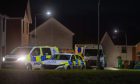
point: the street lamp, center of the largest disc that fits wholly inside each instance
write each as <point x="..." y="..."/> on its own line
<point x="98" y="56"/>
<point x="116" y="31"/>
<point x="48" y="13"/>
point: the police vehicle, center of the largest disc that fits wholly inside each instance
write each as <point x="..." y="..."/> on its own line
<point x="28" y="57"/>
<point x="90" y="54"/>
<point x="64" y="61"/>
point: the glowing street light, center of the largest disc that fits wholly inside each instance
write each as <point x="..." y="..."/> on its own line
<point x="116" y="31"/>
<point x="48" y="13"/>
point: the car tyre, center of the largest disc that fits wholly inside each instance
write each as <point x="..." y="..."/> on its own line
<point x="29" y="67"/>
<point x="83" y="67"/>
<point x="68" y="68"/>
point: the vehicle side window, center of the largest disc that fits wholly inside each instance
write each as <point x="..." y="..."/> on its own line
<point x="73" y="58"/>
<point x="77" y="57"/>
<point x="63" y="57"/>
<point x="46" y="51"/>
<point x="36" y="52"/>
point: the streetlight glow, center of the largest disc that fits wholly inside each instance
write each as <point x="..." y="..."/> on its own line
<point x="48" y="13"/>
<point x="115" y="31"/>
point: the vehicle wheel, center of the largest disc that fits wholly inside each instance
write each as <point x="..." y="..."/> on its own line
<point x="68" y="68"/>
<point x="29" y="67"/>
<point x="42" y="67"/>
<point x="83" y="67"/>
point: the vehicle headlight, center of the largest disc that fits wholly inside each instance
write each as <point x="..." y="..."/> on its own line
<point x="21" y="58"/>
<point x="3" y="59"/>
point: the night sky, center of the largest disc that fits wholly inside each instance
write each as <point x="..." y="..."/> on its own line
<point x="80" y="16"/>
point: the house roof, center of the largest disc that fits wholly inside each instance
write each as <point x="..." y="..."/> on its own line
<point x="13" y="8"/>
<point x="106" y="35"/>
<point x="115" y="41"/>
<point x="54" y="21"/>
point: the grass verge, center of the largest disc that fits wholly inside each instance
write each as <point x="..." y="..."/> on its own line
<point x="70" y="77"/>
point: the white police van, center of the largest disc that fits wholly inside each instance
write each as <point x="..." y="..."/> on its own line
<point x="28" y="57"/>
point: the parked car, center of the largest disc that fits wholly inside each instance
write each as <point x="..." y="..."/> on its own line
<point x="137" y="65"/>
<point x="65" y="61"/>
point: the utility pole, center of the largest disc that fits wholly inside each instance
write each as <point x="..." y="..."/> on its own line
<point x="35" y="31"/>
<point x="126" y="44"/>
<point x="98" y="57"/>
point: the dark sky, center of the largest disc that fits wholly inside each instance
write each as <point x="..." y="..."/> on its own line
<point x="80" y="16"/>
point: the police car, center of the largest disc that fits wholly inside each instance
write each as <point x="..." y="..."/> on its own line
<point x="28" y="57"/>
<point x="64" y="61"/>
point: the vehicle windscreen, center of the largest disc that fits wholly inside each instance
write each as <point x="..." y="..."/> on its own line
<point x="20" y="51"/>
<point x="92" y="52"/>
<point x="61" y="57"/>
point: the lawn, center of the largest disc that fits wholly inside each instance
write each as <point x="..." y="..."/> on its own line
<point x="70" y="77"/>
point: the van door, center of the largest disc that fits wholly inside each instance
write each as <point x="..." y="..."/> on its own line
<point x="36" y="58"/>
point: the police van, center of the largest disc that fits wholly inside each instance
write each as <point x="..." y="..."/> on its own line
<point x="28" y="57"/>
<point x="64" y="61"/>
<point x="90" y="53"/>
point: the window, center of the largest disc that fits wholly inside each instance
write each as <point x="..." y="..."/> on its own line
<point x="138" y="53"/>
<point x="92" y="52"/>
<point x="61" y="57"/>
<point x="36" y="52"/>
<point x="72" y="58"/>
<point x="20" y="51"/>
<point x="124" y="50"/>
<point x="46" y="51"/>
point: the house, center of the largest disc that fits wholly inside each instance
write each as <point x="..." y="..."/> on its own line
<point x="14" y="24"/>
<point x="109" y="49"/>
<point x="137" y="50"/>
<point x="112" y="51"/>
<point x="52" y="33"/>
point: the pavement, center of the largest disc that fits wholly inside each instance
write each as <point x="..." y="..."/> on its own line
<point x="111" y="68"/>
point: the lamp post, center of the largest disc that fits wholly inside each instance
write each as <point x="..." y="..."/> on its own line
<point x="126" y="43"/>
<point x="98" y="57"/>
<point x="48" y="13"/>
